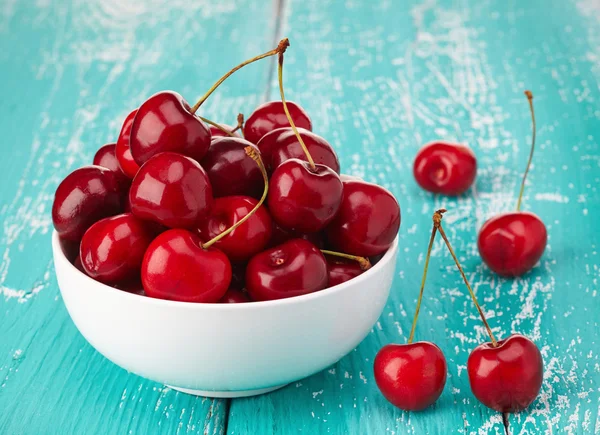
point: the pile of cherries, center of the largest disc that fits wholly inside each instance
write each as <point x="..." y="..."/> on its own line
<point x="184" y="209"/>
<point x="505" y="375"/>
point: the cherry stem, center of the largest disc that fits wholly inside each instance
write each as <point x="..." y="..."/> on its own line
<point x="240" y="122"/>
<point x="363" y="262"/>
<point x="254" y="155"/>
<point x="287" y="113"/>
<point x="530" y="99"/>
<point x="462" y="273"/>
<point x="283" y="44"/>
<point x="436" y="216"/>
<point x="220" y="127"/>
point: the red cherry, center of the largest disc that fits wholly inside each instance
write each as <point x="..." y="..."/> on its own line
<point x="341" y="270"/>
<point x="172" y="190"/>
<point x="123" y="152"/>
<point x="70" y="248"/>
<point x="444" y="167"/>
<point x="230" y="170"/>
<point x="107" y="158"/>
<point x="176" y="267"/>
<point x="302" y="198"/>
<point x="367" y="221"/>
<point x="295" y="268"/>
<point x="506" y="378"/>
<point x="281" y="235"/>
<point x="217" y="132"/>
<point x="164" y="122"/>
<point x="282" y="144"/>
<point x="248" y="239"/>
<point x="85" y="196"/>
<point x="270" y="115"/>
<point x="234" y="296"/>
<point x="112" y="249"/>
<point x="512" y="243"/>
<point x="411" y="376"/>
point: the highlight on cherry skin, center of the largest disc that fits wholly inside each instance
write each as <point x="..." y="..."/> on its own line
<point x="512" y="243"/>
<point x="411" y="376"/>
<point x="507" y="378"/>
<point x="445" y="167"/>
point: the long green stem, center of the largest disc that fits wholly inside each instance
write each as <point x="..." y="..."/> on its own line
<point x="282" y="43"/>
<point x="254" y="155"/>
<point x="220" y="127"/>
<point x="530" y="99"/>
<point x="462" y="273"/>
<point x="436" y="216"/>
<point x="287" y="113"/>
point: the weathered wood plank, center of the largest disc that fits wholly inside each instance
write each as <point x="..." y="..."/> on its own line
<point x="70" y="72"/>
<point x="382" y="78"/>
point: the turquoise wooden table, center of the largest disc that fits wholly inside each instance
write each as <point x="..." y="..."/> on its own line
<point x="379" y="80"/>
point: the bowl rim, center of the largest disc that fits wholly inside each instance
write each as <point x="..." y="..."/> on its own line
<point x="387" y="257"/>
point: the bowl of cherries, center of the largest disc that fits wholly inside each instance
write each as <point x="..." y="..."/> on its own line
<point x="222" y="261"/>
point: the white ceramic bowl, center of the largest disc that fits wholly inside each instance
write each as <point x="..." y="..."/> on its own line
<point x="225" y="350"/>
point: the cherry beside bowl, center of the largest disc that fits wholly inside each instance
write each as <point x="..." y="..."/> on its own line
<point x="225" y="350"/>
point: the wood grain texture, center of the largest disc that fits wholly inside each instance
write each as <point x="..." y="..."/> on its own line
<point x="70" y="72"/>
<point x="380" y="79"/>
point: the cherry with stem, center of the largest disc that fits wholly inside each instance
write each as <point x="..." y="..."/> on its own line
<point x="254" y="155"/>
<point x="283" y="44"/>
<point x="512" y="243"/>
<point x="412" y="376"/>
<point x="304" y="196"/>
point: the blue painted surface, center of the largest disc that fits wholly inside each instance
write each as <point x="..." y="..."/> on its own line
<point x="379" y="79"/>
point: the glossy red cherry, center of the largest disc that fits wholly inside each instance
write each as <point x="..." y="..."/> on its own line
<point x="176" y="267"/>
<point x="295" y="268"/>
<point x="85" y="196"/>
<point x="172" y="190"/>
<point x="270" y="115"/>
<point x="122" y="150"/>
<point x="107" y="158"/>
<point x="234" y="296"/>
<point x="512" y="243"/>
<point x="341" y="270"/>
<point x="446" y="168"/>
<point x="113" y="248"/>
<point x="367" y="221"/>
<point x="281" y="235"/>
<point x="230" y="170"/>
<point x="411" y="376"/>
<point x="164" y="122"/>
<point x="282" y="144"/>
<point x="304" y="199"/>
<point x="506" y="378"/>
<point x="248" y="239"/>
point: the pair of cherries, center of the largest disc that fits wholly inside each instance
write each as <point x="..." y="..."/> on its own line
<point x="504" y="375"/>
<point x="187" y="209"/>
<point x="511" y="243"/>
